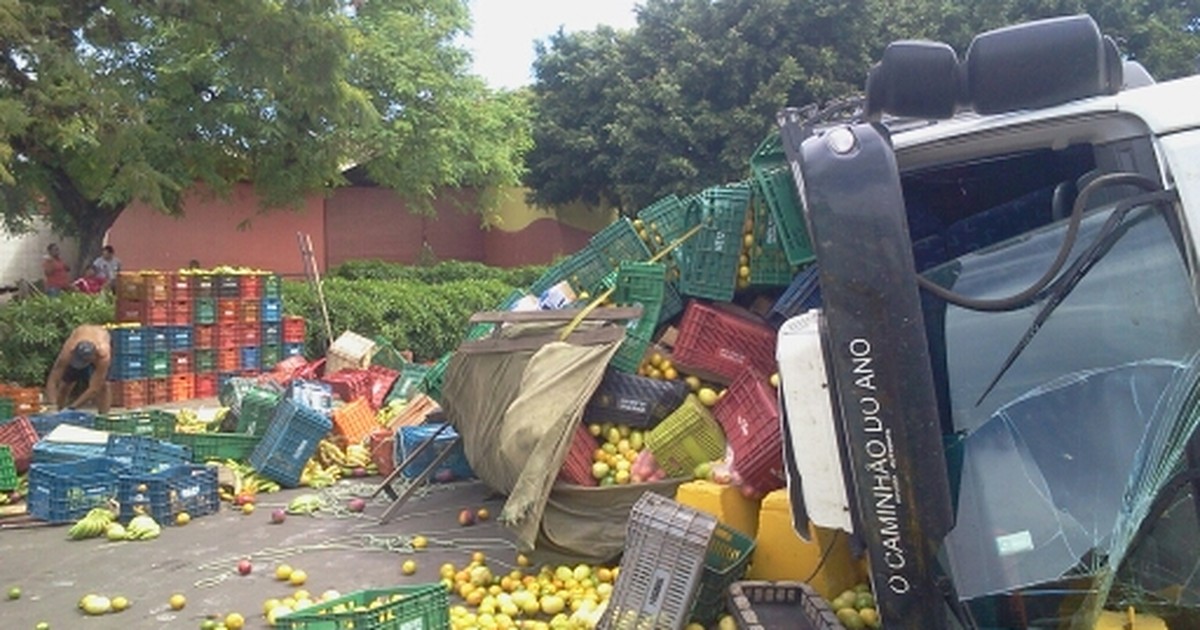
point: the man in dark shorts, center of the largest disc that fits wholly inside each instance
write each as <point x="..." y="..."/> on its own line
<point x="84" y="358"/>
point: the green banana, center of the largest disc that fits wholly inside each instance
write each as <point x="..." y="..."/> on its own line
<point x="304" y="504"/>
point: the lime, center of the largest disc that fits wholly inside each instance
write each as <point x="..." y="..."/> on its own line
<point x="14" y="592"/>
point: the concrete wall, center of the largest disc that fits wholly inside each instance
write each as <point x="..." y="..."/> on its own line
<point x="21" y="254"/>
<point x="364" y="222"/>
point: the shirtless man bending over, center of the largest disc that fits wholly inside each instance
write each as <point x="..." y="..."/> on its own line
<point x="84" y="358"/>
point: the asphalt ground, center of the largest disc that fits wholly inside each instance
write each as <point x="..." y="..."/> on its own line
<point x="336" y="548"/>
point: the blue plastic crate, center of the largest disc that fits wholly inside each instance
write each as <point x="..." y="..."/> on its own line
<point x="128" y="367"/>
<point x="317" y="395"/>
<point x="61" y="452"/>
<point x="272" y="333"/>
<point x="453" y="468"/>
<point x="293" y="350"/>
<point x="159" y="339"/>
<point x="61" y="493"/>
<point x="251" y="358"/>
<point x="272" y="310"/>
<point x="290" y="441"/>
<point x="179" y="337"/>
<point x="802" y="294"/>
<point x="164" y="494"/>
<point x="44" y="423"/>
<point x="145" y="454"/>
<point x="128" y="340"/>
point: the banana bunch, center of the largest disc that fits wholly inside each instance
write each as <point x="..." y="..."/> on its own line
<point x="92" y="525"/>
<point x="142" y="527"/>
<point x="187" y="421"/>
<point x="391" y="411"/>
<point x="305" y="504"/>
<point x="357" y="456"/>
<point x="317" y="476"/>
<point x="330" y="454"/>
<point x="246" y="480"/>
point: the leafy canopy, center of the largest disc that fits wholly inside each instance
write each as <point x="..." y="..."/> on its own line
<point x="104" y="103"/>
<point x="680" y="102"/>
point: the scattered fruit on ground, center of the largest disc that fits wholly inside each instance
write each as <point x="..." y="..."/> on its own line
<point x="482" y="514"/>
<point x="183" y="518"/>
<point x="356" y="505"/>
<point x="234" y="621"/>
<point x="96" y="604"/>
<point x="177" y="601"/>
<point x="283" y="572"/>
<point x="119" y="603"/>
<point x="278" y="515"/>
<point x="297" y="577"/>
<point x="208" y="624"/>
<point x="244" y="567"/>
<point x="522" y="560"/>
<point x="42" y="625"/>
<point x="14" y="592"/>
<point x="247" y="508"/>
<point x="420" y="542"/>
<point x="466" y="517"/>
<point x="409" y="567"/>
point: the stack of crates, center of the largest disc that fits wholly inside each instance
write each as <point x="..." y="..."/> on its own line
<point x="184" y="334"/>
<point x="293" y="331"/>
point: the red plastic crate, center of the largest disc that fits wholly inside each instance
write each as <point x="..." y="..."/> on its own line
<point x="128" y="311"/>
<point x="577" y="467"/>
<point x="229" y="335"/>
<point x="20" y="437"/>
<point x="382" y="443"/>
<point x="129" y="394"/>
<point x="293" y="329"/>
<point x="249" y="335"/>
<point x="205" y="385"/>
<point x="159" y="391"/>
<point x="179" y="313"/>
<point x="179" y="286"/>
<point x="229" y="359"/>
<point x="181" y="362"/>
<point x="355" y="421"/>
<point x="154" y="287"/>
<point x="129" y="286"/>
<point x="350" y="384"/>
<point x="723" y="344"/>
<point x="204" y="337"/>
<point x="252" y="286"/>
<point x="749" y="414"/>
<point x="228" y="311"/>
<point x="183" y="387"/>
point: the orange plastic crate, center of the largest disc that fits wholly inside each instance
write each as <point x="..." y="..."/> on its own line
<point x="251" y="286"/>
<point x="204" y="337"/>
<point x="293" y="329"/>
<point x="250" y="335"/>
<point x="229" y="359"/>
<point x="183" y="387"/>
<point x="160" y="391"/>
<point x="382" y="443"/>
<point x="129" y="394"/>
<point x="228" y="311"/>
<point x="251" y="311"/>
<point x="155" y="287"/>
<point x="179" y="286"/>
<point x="21" y="395"/>
<point x="229" y="335"/>
<point x="179" y="312"/>
<point x="355" y="421"/>
<point x="156" y="313"/>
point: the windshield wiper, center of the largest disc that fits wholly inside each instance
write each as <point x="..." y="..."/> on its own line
<point x="1114" y="228"/>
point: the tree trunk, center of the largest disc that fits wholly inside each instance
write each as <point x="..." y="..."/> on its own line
<point x="93" y="226"/>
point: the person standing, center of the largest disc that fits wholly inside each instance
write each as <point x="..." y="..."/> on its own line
<point x="107" y="266"/>
<point x="84" y="358"/>
<point x="57" y="273"/>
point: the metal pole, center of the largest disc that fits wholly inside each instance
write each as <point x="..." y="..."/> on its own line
<point x="313" y="273"/>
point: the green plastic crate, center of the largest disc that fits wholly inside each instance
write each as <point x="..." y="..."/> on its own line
<point x="218" y="446"/>
<point x="204" y="310"/>
<point x="714" y="252"/>
<point x="269" y="356"/>
<point x="257" y="408"/>
<point x="272" y="287"/>
<point x="424" y="607"/>
<point x="769" y="266"/>
<point x="665" y="221"/>
<point x="6" y="408"/>
<point x="432" y="383"/>
<point x="481" y="330"/>
<point x="205" y="360"/>
<point x="642" y="284"/>
<point x="583" y="270"/>
<point x="618" y="243"/>
<point x="147" y="423"/>
<point x="158" y="364"/>
<point x="772" y="177"/>
<point x="408" y="382"/>
<point x="8" y="469"/>
<point x="725" y="562"/>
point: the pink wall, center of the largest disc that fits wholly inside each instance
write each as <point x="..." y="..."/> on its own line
<point x="363" y="222"/>
<point x="147" y="239"/>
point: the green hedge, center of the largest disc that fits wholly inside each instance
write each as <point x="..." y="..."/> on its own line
<point x="33" y="330"/>
<point x="443" y="272"/>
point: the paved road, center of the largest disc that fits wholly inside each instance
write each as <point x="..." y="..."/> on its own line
<point x="346" y="553"/>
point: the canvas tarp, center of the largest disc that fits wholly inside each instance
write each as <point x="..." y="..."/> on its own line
<point x="515" y="401"/>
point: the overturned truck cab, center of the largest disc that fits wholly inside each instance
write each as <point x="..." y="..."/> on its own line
<point x="998" y="396"/>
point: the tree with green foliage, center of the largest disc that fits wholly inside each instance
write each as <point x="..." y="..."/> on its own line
<point x="680" y="102"/>
<point x="107" y="103"/>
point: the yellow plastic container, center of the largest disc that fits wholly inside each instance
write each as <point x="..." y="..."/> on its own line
<point x="724" y="502"/>
<point x="1112" y="620"/>
<point x="781" y="554"/>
